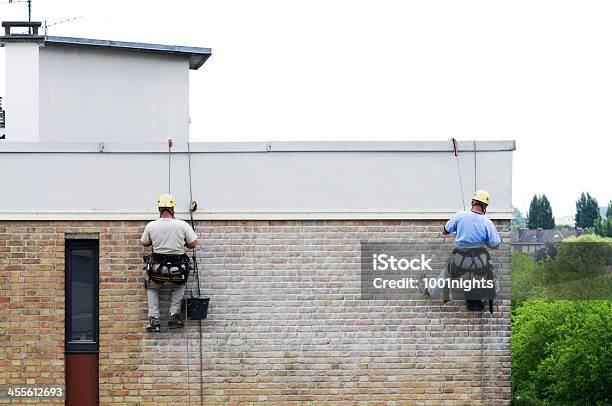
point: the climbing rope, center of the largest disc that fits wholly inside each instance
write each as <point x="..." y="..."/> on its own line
<point x="188" y="369"/>
<point x="193" y="207"/>
<point x="454" y="140"/>
<point x="475" y="169"/>
<point x="482" y="322"/>
<point x="169" y="162"/>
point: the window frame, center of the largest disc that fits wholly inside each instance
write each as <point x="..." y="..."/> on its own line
<point x="80" y="347"/>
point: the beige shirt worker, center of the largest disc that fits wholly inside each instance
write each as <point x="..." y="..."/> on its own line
<point x="168" y="236"/>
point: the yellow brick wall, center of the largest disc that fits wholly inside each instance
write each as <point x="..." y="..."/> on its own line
<point x="285" y="324"/>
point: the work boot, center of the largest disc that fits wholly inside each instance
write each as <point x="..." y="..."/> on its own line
<point x="174" y="321"/>
<point x="154" y="325"/>
<point x="422" y="288"/>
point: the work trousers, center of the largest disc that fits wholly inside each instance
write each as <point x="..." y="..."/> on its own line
<point x="178" y="292"/>
<point x="438" y="292"/>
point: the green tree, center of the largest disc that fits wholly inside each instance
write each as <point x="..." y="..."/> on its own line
<point x="603" y="227"/>
<point x="561" y="353"/>
<point x="587" y="211"/>
<point x="540" y="213"/>
<point x="548" y="221"/>
<point x="519" y="221"/>
<point x="609" y="210"/>
<point x="533" y="215"/>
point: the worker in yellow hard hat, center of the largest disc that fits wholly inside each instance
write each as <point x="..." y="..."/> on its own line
<point x="168" y="238"/>
<point x="473" y="233"/>
<point x="473" y="229"/>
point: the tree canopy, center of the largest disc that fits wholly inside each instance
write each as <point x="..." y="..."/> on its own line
<point x="540" y="213"/>
<point x="587" y="211"/>
<point x="561" y="353"/>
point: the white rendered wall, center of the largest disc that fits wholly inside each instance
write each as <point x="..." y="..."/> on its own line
<point x="112" y="95"/>
<point x="230" y="185"/>
<point x="22" y="91"/>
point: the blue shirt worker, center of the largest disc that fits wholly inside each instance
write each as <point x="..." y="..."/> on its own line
<point x="472" y="230"/>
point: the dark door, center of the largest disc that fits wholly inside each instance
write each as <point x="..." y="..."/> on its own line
<point x="82" y="273"/>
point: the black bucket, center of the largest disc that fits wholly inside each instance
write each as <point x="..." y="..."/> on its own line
<point x="197" y="308"/>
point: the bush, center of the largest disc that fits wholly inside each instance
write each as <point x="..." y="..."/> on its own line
<point x="528" y="276"/>
<point x="561" y="352"/>
<point x="580" y="271"/>
<point x="586" y="253"/>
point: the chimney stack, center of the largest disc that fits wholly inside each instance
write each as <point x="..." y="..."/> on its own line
<point x="31" y="35"/>
<point x="22" y="42"/>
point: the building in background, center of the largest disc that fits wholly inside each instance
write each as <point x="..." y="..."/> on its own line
<point x="533" y="241"/>
<point x="280" y="225"/>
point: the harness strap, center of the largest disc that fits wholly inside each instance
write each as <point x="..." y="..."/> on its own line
<point x="168" y="268"/>
<point x="475" y="262"/>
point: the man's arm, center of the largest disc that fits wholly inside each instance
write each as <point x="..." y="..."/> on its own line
<point x="146" y="239"/>
<point x="450" y="226"/>
<point x="493" y="238"/>
<point x="191" y="238"/>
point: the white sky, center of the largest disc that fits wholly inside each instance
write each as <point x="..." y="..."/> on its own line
<point x="538" y="72"/>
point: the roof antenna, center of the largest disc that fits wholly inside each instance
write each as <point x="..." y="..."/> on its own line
<point x="60" y="22"/>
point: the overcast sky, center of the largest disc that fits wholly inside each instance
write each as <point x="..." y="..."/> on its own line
<point x="538" y="72"/>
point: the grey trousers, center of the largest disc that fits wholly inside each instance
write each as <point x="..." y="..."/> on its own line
<point x="445" y="294"/>
<point x="437" y="292"/>
<point x="178" y="291"/>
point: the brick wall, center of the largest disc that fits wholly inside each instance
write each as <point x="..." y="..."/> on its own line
<point x="285" y="323"/>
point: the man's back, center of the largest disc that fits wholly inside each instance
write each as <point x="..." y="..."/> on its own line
<point x="473" y="230"/>
<point x="168" y="236"/>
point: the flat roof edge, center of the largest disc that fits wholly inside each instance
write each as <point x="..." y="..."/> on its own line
<point x="197" y="55"/>
<point x="271" y="146"/>
<point x="331" y="214"/>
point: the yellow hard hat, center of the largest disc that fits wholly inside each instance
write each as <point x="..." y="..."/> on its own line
<point x="165" y="200"/>
<point x="481" y="196"/>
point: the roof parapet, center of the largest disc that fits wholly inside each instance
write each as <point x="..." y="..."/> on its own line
<point x="264" y="147"/>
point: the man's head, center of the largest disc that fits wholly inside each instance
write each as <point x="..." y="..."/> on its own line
<point x="480" y="199"/>
<point x="166" y="203"/>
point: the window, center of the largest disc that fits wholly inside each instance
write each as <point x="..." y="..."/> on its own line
<point x="82" y="295"/>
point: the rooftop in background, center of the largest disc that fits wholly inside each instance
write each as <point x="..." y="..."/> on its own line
<point x="540" y="236"/>
<point x="62" y="90"/>
<point x="197" y="55"/>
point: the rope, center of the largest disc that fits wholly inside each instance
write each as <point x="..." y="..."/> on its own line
<point x="492" y="350"/>
<point x="482" y="358"/>
<point x="195" y="269"/>
<point x="475" y="169"/>
<point x="482" y="323"/>
<point x="188" y="370"/>
<point x="454" y="141"/>
<point x="169" y="167"/>
<point x="485" y="304"/>
<point x="190" y="189"/>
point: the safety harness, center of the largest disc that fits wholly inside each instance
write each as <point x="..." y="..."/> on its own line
<point x="473" y="263"/>
<point x="167" y="268"/>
